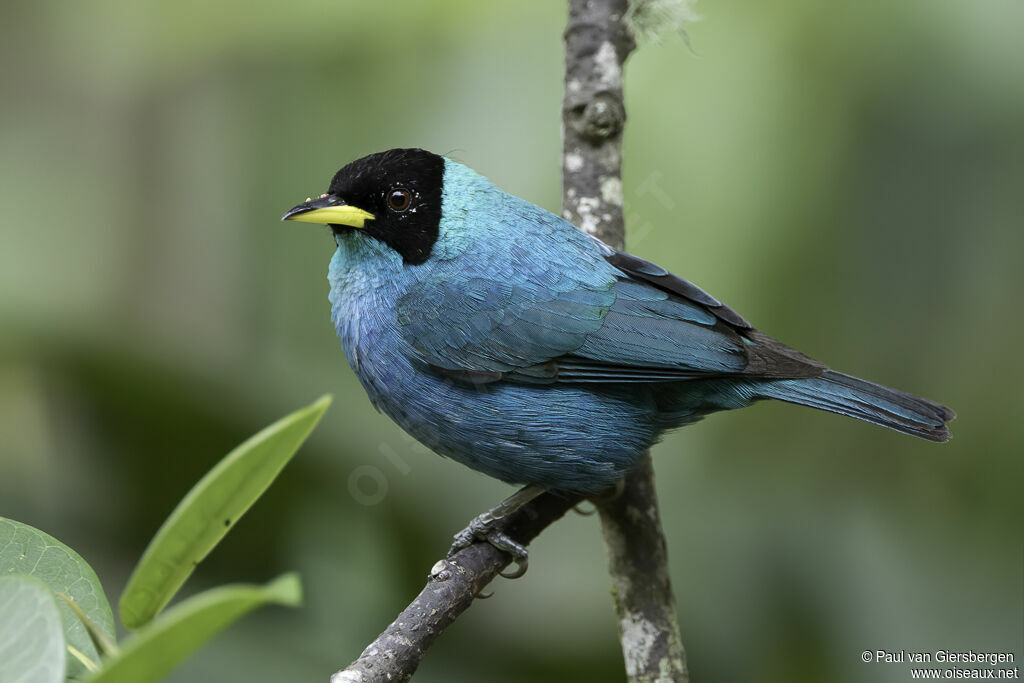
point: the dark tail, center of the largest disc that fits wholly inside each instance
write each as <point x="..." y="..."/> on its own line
<point x="846" y="395"/>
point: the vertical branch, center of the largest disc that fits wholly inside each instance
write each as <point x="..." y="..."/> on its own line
<point x="641" y="586"/>
<point x="597" y="42"/>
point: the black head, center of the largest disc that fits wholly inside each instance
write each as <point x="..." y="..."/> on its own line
<point x="392" y="196"/>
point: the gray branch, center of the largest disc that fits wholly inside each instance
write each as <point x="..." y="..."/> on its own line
<point x="451" y="587"/>
<point x="597" y="43"/>
<point x="642" y="589"/>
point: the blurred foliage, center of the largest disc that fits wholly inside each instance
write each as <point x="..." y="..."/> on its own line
<point x="204" y="516"/>
<point x="848" y="176"/>
<point x="198" y="523"/>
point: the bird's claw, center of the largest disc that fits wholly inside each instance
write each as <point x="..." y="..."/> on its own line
<point x="485" y="528"/>
<point x="521" y="562"/>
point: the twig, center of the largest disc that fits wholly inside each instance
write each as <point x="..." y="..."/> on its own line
<point x="450" y="589"/>
<point x="597" y="43"/>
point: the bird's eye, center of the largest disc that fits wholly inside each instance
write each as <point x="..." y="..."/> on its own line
<point x="399" y="199"/>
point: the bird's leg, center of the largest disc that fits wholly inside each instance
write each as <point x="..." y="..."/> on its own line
<point x="487" y="527"/>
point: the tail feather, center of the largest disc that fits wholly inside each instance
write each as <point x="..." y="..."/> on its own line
<point x="854" y="397"/>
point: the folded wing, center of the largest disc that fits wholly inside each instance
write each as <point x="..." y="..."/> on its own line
<point x="615" y="319"/>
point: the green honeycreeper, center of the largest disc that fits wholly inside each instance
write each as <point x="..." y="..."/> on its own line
<point x="499" y="335"/>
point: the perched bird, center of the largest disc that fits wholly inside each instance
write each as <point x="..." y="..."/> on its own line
<point x="498" y="334"/>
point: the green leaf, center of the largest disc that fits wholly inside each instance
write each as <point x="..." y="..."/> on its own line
<point x="27" y="550"/>
<point x="31" y="634"/>
<point x="154" y="651"/>
<point x="206" y="513"/>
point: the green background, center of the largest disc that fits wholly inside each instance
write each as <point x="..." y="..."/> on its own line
<point x="849" y="176"/>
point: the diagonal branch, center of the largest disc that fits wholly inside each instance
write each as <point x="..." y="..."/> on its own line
<point x="597" y="43"/>
<point x="450" y="590"/>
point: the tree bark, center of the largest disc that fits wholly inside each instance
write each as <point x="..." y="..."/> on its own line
<point x="597" y="43"/>
<point x="641" y="586"/>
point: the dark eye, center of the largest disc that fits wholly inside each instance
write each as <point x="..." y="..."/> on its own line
<point x="399" y="199"/>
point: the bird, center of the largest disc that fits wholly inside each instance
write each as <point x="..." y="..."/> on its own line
<point x="499" y="335"/>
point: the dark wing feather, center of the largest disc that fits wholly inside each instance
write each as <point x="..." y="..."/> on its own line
<point x="662" y="279"/>
<point x="768" y="357"/>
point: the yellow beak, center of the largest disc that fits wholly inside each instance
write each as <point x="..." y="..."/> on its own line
<point x="328" y="209"/>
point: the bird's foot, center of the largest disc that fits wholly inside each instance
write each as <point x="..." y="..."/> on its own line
<point x="488" y="527"/>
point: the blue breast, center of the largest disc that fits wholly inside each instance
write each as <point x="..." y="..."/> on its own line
<point x="556" y="436"/>
<point x="561" y="436"/>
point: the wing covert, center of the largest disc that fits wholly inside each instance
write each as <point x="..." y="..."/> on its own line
<point x="591" y="314"/>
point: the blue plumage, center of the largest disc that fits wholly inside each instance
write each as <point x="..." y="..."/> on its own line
<point x="499" y="335"/>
